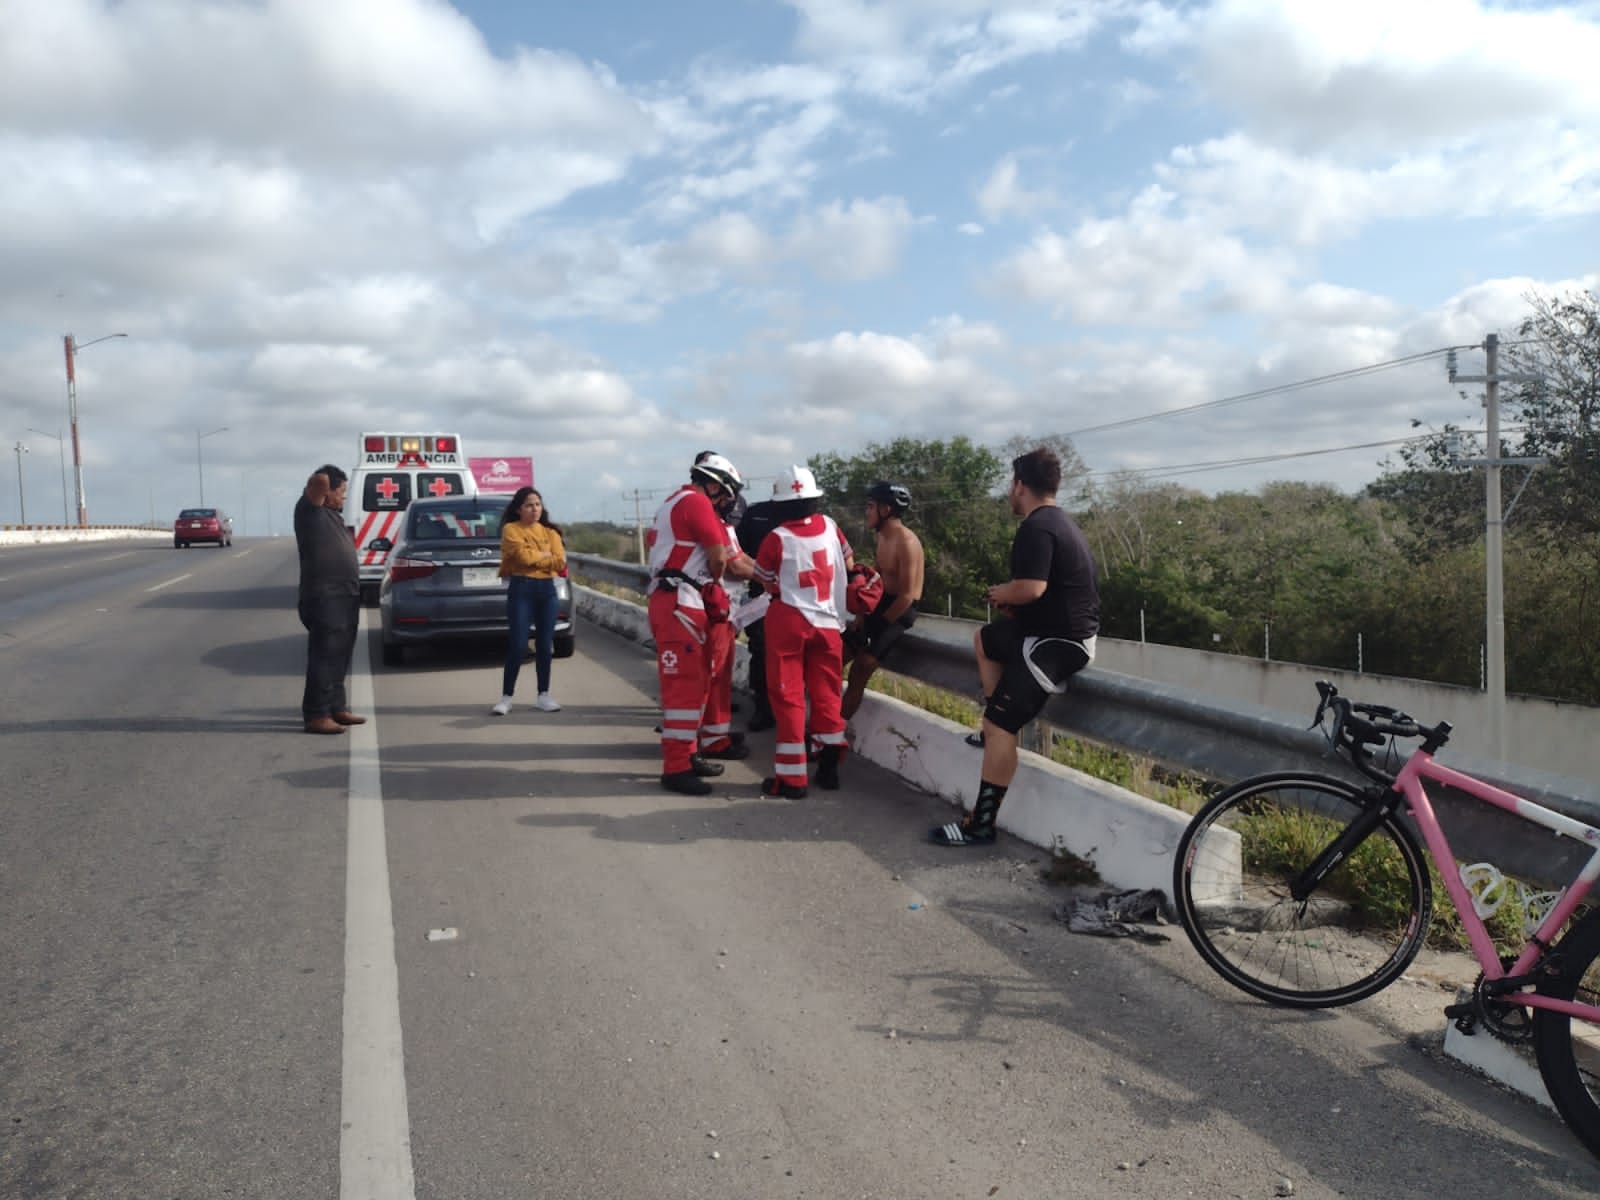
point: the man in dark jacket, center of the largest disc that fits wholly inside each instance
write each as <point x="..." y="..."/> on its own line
<point x="759" y="519"/>
<point x="330" y="600"/>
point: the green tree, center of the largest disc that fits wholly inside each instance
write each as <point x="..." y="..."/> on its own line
<point x="1559" y="411"/>
<point x="963" y="526"/>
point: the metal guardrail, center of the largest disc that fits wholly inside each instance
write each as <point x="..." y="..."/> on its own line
<point x="1190" y="732"/>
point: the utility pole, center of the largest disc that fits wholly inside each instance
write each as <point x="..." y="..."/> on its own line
<point x="638" y="524"/>
<point x="72" y="346"/>
<point x="1494" y="675"/>
<point x="22" y="503"/>
<point x="1494" y="527"/>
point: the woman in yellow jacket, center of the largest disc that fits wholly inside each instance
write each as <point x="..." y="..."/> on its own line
<point x="531" y="556"/>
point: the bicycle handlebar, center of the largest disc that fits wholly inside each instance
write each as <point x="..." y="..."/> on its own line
<point x="1353" y="733"/>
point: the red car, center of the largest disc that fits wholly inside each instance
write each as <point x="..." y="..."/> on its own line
<point x="202" y="525"/>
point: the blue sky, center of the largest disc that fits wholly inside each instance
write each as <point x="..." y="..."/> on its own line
<point x="609" y="235"/>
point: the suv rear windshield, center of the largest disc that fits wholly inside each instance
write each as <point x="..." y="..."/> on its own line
<point x="197" y="512"/>
<point x="466" y="520"/>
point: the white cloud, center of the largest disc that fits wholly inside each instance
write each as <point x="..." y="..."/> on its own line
<point x="1146" y="267"/>
<point x="1377" y="73"/>
<point x="970" y="228"/>
<point x="903" y="51"/>
<point x="730" y="240"/>
<point x="1002" y="194"/>
<point x="778" y="164"/>
<point x="861" y="240"/>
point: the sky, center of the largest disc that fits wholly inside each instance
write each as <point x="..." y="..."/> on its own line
<point x="609" y="235"/>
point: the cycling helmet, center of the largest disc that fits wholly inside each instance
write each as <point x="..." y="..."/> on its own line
<point x="795" y="483"/>
<point x="713" y="468"/>
<point x="891" y="495"/>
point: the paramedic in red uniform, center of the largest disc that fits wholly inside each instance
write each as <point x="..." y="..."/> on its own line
<point x="717" y="736"/>
<point x="688" y="554"/>
<point x="803" y="563"/>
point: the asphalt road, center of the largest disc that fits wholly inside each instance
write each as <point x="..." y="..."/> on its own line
<point x="646" y="996"/>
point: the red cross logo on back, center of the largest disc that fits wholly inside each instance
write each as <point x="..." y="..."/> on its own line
<point x="440" y="487"/>
<point x="820" y="576"/>
<point x="386" y="488"/>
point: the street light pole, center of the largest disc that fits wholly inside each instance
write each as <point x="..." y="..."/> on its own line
<point x="61" y="453"/>
<point x="199" y="463"/>
<point x="72" y="347"/>
<point x="22" y="503"/>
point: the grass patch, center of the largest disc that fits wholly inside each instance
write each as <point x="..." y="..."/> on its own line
<point x="616" y="591"/>
<point x="942" y="703"/>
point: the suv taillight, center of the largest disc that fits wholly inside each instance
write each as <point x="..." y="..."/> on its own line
<point x="411" y="568"/>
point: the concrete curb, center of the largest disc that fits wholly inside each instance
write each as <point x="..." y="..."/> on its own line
<point x="1131" y="840"/>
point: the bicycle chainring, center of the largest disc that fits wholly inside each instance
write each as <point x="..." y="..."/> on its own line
<point x="1504" y="1019"/>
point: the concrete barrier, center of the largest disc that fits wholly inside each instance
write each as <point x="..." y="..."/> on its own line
<point x="43" y="535"/>
<point x="1130" y="839"/>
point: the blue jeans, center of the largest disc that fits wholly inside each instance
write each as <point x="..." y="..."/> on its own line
<point x="530" y="603"/>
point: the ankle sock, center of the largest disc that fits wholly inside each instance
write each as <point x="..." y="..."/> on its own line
<point x="985" y="809"/>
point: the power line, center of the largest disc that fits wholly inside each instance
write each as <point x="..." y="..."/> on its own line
<point x="1275" y="390"/>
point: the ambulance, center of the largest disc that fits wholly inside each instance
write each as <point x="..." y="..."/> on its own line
<point x="392" y="471"/>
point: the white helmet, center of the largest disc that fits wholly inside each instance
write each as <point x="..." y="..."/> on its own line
<point x="713" y="468"/>
<point x="795" y="483"/>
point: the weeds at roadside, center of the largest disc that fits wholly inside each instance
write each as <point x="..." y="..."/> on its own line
<point x="1067" y="868"/>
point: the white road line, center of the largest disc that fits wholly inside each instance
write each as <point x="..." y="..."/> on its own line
<point x="242" y="554"/>
<point x="169" y="583"/>
<point x="374" y="1121"/>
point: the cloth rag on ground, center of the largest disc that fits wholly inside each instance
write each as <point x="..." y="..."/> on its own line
<point x="1117" y="914"/>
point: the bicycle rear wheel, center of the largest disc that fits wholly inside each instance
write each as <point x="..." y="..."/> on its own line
<point x="1568" y="1049"/>
<point x="1352" y="938"/>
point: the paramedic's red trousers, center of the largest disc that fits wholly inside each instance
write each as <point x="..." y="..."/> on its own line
<point x="717" y="724"/>
<point x="683" y="667"/>
<point x="803" y="662"/>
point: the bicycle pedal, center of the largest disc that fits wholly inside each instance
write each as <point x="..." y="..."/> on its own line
<point x="1465" y="1016"/>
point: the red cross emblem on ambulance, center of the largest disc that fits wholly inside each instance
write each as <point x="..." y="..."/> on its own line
<point x="440" y="487"/>
<point x="387" y="488"/>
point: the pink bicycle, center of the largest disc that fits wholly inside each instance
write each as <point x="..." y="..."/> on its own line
<point x="1306" y="890"/>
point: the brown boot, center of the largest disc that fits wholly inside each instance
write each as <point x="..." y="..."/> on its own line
<point x="323" y="725"/>
<point x="349" y="718"/>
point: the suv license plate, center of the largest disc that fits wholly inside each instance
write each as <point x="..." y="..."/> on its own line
<point x="480" y="577"/>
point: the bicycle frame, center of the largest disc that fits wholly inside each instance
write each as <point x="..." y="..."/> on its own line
<point x="1421" y="765"/>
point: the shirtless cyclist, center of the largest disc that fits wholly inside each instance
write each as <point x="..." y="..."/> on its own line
<point x="898" y="560"/>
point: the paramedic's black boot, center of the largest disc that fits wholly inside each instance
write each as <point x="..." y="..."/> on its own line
<point x="828" y="769"/>
<point x="685" y="783"/>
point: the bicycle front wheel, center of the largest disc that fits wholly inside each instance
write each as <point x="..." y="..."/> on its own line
<point x="1568" y="1049"/>
<point x="1353" y="937"/>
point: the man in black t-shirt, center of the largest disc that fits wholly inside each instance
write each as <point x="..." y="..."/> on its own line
<point x="1050" y="614"/>
<point x="330" y="600"/>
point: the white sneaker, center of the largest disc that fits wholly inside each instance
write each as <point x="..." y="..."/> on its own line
<point x="545" y="702"/>
<point x="503" y="707"/>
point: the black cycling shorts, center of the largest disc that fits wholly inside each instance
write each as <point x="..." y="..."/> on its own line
<point x="1032" y="670"/>
<point x="876" y="636"/>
